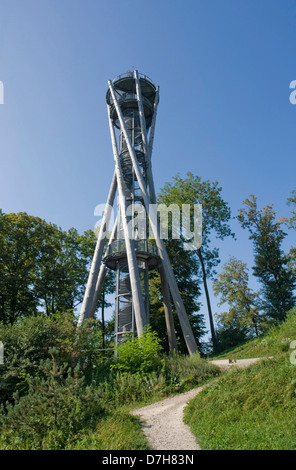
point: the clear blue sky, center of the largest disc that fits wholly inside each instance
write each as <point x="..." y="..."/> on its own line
<point x="223" y="67"/>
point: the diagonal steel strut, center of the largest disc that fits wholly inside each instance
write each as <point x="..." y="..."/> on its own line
<point x="86" y="308"/>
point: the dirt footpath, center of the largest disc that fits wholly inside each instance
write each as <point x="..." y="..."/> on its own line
<point x="162" y="422"/>
<point x="163" y="425"/>
<point x="227" y="363"/>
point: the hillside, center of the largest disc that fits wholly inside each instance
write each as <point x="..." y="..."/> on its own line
<point x="276" y="341"/>
<point x="252" y="408"/>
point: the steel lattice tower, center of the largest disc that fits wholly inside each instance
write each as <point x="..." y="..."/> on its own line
<point x="132" y="101"/>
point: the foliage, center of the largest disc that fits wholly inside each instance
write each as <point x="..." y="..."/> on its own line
<point x="216" y="213"/>
<point x="139" y="354"/>
<point x="274" y="341"/>
<point x="20" y="236"/>
<point x="42" y="266"/>
<point x="271" y="264"/>
<point x="57" y="391"/>
<point x="202" y="261"/>
<point x="56" y="407"/>
<point x="184" y="269"/>
<point x="183" y="372"/>
<point x="172" y="375"/>
<point x="292" y="225"/>
<point x="292" y="202"/>
<point x="27" y="342"/>
<point x="63" y="394"/>
<point x="118" y="430"/>
<point x="61" y="270"/>
<point x="230" y="335"/>
<point x="243" y="314"/>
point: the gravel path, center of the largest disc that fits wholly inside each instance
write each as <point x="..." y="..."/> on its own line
<point x="163" y="425"/>
<point x="162" y="422"/>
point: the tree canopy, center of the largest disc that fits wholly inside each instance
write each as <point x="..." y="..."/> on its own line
<point x="43" y="268"/>
<point x="216" y="215"/>
<point x="271" y="264"/>
<point x="232" y="286"/>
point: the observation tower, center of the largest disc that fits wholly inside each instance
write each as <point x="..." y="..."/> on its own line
<point x="132" y="101"/>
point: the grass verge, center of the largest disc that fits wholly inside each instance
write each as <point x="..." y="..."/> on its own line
<point x="252" y="408"/>
<point x="276" y="341"/>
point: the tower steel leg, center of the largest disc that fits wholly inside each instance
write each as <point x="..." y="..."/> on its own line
<point x="87" y="303"/>
<point x="147" y="146"/>
<point x="102" y="274"/>
<point x="150" y="146"/>
<point x="141" y="112"/>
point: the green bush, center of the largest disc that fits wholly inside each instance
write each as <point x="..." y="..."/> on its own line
<point x="141" y="354"/>
<point x="56" y="408"/>
<point x="126" y="388"/>
<point x="27" y="343"/>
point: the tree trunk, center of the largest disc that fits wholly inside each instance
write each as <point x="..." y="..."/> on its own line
<point x="103" y="317"/>
<point x="168" y="312"/>
<point x="214" y="340"/>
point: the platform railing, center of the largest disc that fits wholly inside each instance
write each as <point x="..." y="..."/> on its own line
<point x="130" y="73"/>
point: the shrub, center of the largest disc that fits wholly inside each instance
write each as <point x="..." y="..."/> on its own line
<point x="56" y="408"/>
<point x="27" y="343"/>
<point x="140" y="354"/>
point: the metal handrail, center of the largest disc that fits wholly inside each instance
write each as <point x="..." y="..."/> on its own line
<point x="129" y="73"/>
<point x="118" y="246"/>
<point x="133" y="96"/>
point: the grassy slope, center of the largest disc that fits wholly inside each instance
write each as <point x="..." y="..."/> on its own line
<point x="253" y="408"/>
<point x="120" y="430"/>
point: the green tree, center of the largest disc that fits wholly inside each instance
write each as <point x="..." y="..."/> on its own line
<point x="21" y="236"/>
<point x="88" y="243"/>
<point x="108" y="288"/>
<point x="292" y="225"/>
<point x="42" y="267"/>
<point x="292" y="202"/>
<point x="215" y="223"/>
<point x="232" y="286"/>
<point x="61" y="269"/>
<point x="230" y="335"/>
<point x="271" y="263"/>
